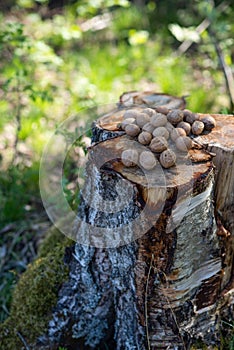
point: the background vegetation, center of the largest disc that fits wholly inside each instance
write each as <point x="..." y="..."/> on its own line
<point x="60" y="57"/>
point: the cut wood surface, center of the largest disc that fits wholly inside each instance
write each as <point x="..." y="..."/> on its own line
<point x="150" y="99"/>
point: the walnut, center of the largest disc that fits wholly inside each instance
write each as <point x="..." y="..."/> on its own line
<point x="147" y="160"/>
<point x="169" y="127"/>
<point x="130" y="113"/>
<point x="132" y="130"/>
<point x="209" y="122"/>
<point x="148" y="127"/>
<point x="197" y="127"/>
<point x="184" y="143"/>
<point x="186" y="126"/>
<point x="175" y="116"/>
<point x="129" y="157"/>
<point x="127" y="121"/>
<point x="167" y="158"/>
<point x="144" y="138"/>
<point x="190" y="117"/>
<point x="151" y="112"/>
<point x="177" y="132"/>
<point x="158" y="119"/>
<point x="158" y="144"/>
<point x="142" y="119"/>
<point x="161" y="131"/>
<point x="162" y="109"/>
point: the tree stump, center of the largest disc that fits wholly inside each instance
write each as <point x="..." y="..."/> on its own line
<point x="155" y="267"/>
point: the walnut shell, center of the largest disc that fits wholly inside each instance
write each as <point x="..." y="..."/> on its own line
<point x="167" y="158"/>
<point x="186" y="126"/>
<point x="197" y="127"/>
<point x="144" y="137"/>
<point x="130" y="113"/>
<point x="161" y="131"/>
<point x="162" y="109"/>
<point x="158" y="119"/>
<point x="129" y="157"/>
<point x="149" y="111"/>
<point x="184" y="143"/>
<point x="127" y="121"/>
<point x="132" y="130"/>
<point x="147" y="160"/>
<point x="175" y="116"/>
<point x="209" y="122"/>
<point x="177" y="132"/>
<point x="142" y="119"/>
<point x="148" y="127"/>
<point x="190" y="117"/>
<point x="158" y="144"/>
<point x="169" y="127"/>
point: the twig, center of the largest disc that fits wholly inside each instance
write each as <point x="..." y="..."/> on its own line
<point x="227" y="71"/>
<point x="146" y="295"/>
<point x="187" y="43"/>
<point x="23" y="341"/>
<point x="172" y="312"/>
<point x="168" y="301"/>
<point x="200" y="29"/>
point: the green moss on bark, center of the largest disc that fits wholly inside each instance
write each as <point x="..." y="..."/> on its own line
<point x="36" y="294"/>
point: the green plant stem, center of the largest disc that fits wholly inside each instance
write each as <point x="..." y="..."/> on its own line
<point x="18" y="121"/>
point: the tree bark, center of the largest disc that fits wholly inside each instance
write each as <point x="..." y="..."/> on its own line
<point x="156" y="267"/>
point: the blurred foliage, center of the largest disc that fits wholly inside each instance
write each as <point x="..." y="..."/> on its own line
<point x="60" y="57"/>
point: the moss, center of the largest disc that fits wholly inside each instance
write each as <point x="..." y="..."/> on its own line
<point x="53" y="239"/>
<point x="199" y="345"/>
<point x="36" y="294"/>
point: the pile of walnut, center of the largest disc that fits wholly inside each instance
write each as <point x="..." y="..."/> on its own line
<point x="158" y="129"/>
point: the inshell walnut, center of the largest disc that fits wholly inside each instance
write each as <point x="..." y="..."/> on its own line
<point x="209" y="122"/>
<point x="158" y="144"/>
<point x="186" y="126"/>
<point x="197" y="127"/>
<point x="144" y="137"/>
<point x="158" y="119"/>
<point x="130" y="113"/>
<point x="142" y="119"/>
<point x="132" y="130"/>
<point x="161" y="131"/>
<point x="127" y="121"/>
<point x="147" y="160"/>
<point x="184" y="143"/>
<point x="175" y="116"/>
<point x="169" y="127"/>
<point x="129" y="157"/>
<point x="190" y="117"/>
<point x="177" y="132"/>
<point x="162" y="109"/>
<point x="149" y="111"/>
<point x="148" y="127"/>
<point x="167" y="158"/>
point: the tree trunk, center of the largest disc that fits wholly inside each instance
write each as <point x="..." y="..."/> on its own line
<point x="155" y="267"/>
